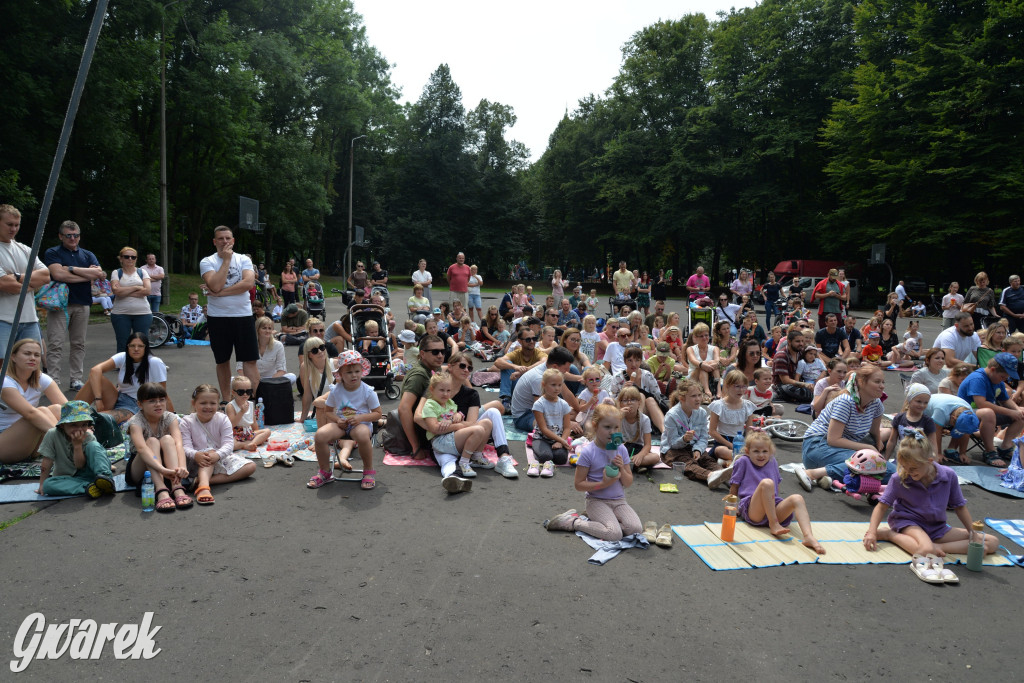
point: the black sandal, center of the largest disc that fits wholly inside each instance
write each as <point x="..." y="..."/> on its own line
<point x="991" y="456"/>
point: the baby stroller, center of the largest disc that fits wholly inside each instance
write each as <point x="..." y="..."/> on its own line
<point x="313" y="293"/>
<point x="381" y="374"/>
<point x="383" y="291"/>
<point x="696" y="315"/>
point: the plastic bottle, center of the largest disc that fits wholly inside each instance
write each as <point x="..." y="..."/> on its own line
<point x="611" y="471"/>
<point x="729" y="518"/>
<point x="148" y="493"/>
<point x="737" y="445"/>
<point x="259" y="413"/>
<point x="976" y="547"/>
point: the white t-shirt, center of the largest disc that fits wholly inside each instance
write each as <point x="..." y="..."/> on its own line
<point x="731" y="420"/>
<point x="728" y="314"/>
<point x="634" y="433"/>
<point x="423" y="278"/>
<point x="588" y="344"/>
<point x="613" y="354"/>
<point x="236" y="305"/>
<point x="474" y="284"/>
<point x="553" y="412"/>
<point x="157" y="373"/>
<point x="8" y="415"/>
<point x="130" y="305"/>
<point x="949" y="299"/>
<point x="13" y="259"/>
<point x="963" y="347"/>
<point x="585" y="396"/>
<point x="346" y="403"/>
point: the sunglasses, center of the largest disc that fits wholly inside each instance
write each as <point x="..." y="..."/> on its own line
<point x="317" y="349"/>
<point x="465" y="366"/>
<point x="130" y="257"/>
<point x="435" y="352"/>
<point x="528" y="339"/>
<point x="243" y="392"/>
<point x="72" y="235"/>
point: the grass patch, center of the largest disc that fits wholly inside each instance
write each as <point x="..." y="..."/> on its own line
<point x="15" y="520"/>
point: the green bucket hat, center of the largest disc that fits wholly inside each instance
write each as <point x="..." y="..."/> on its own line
<point x="74" y="411"/>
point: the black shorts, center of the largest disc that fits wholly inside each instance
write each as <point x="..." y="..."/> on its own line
<point x="767" y="411"/>
<point x="233" y="334"/>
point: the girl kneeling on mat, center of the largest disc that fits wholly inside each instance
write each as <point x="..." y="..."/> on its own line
<point x="920" y="493"/>
<point x="154" y="444"/>
<point x="209" y="444"/>
<point x="351" y="409"/>
<point x="755" y="480"/>
<point x="610" y="516"/>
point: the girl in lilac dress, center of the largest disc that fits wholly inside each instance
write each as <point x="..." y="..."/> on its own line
<point x="755" y="479"/>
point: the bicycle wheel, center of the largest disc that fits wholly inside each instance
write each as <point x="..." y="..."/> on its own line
<point x="158" y="332"/>
<point x="788" y="429"/>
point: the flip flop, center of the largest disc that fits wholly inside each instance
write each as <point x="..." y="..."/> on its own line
<point x="204" y="498"/>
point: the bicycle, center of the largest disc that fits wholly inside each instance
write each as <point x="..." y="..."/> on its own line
<point x="785" y="428"/>
<point x="166" y="329"/>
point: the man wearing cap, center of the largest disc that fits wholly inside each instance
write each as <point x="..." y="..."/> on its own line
<point x="960" y="341"/>
<point x="661" y="366"/>
<point x="1012" y="304"/>
<point x="74" y="462"/>
<point x="949" y="411"/>
<point x="986" y="390"/>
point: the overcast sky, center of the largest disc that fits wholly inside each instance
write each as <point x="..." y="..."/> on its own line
<point x="540" y="57"/>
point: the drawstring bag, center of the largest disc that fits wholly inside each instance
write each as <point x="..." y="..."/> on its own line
<point x="53" y="296"/>
<point x="1013" y="478"/>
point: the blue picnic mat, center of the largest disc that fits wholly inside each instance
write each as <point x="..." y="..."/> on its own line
<point x="1013" y="529"/>
<point x="26" y="493"/>
<point x="511" y="433"/>
<point x="988" y="478"/>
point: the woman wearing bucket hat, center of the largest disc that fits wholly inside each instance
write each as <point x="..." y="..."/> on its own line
<point x="74" y="462"/>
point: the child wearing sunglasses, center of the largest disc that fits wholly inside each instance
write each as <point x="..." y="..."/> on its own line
<point x="240" y="413"/>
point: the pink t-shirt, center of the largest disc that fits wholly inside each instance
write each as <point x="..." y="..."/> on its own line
<point x="702" y="282"/>
<point x="458" y="277"/>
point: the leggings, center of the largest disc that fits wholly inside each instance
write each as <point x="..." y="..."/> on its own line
<point x="543" y="452"/>
<point x="610" y="519"/>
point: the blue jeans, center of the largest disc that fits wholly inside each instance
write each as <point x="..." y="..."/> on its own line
<point x="770" y="309"/>
<point x="817" y="453"/>
<point x="508" y="384"/>
<point x="154" y="302"/>
<point x="25" y="331"/>
<point x="124" y="325"/>
<point x="574" y="387"/>
<point x="525" y="422"/>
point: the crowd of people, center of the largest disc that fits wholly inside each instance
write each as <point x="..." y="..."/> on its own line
<point x="586" y="389"/>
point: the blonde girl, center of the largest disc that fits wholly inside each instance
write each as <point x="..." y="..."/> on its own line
<point x="591" y="396"/>
<point x="610" y="518"/>
<point x="676" y="344"/>
<point x="519" y="299"/>
<point x="702" y="358"/>
<point x="558" y="286"/>
<point x="314" y="373"/>
<point x="755" y="480"/>
<point x="453" y="440"/>
<point x="240" y="411"/>
<point x="551" y="433"/>
<point x="726" y="345"/>
<point x="547" y="339"/>
<point x="592" y="302"/>
<point x="22" y="421"/>
<point x="659" y="323"/>
<point x="208" y="441"/>
<point x="919" y="494"/>
<point x="636" y="428"/>
<point x="154" y="444"/>
<point x="636" y="319"/>
<point x="729" y="415"/>
<point x="589" y="338"/>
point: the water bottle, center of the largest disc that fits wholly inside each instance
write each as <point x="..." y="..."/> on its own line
<point x="737" y="445"/>
<point x="148" y="493"/>
<point x="259" y="413"/>
<point x="729" y="518"/>
<point x="976" y="547"/>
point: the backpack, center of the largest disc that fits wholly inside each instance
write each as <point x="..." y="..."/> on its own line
<point x="392" y="436"/>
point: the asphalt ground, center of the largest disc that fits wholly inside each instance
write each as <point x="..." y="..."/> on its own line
<point x="277" y="582"/>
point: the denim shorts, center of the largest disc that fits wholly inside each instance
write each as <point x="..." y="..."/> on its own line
<point x="445" y="443"/>
<point x="126" y="402"/>
<point x="475" y="301"/>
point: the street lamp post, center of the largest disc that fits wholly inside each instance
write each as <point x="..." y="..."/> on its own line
<point x="165" y="254"/>
<point x="351" y="167"/>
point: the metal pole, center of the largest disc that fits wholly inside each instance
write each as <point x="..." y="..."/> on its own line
<point x="351" y="167"/>
<point x="58" y="161"/>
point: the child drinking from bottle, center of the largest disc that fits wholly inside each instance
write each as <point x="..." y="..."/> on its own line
<point x="603" y="473"/>
<point x="209" y="444"/>
<point x="919" y="494"/>
<point x="240" y="412"/>
<point x="755" y="480"/>
<point x="350" y="410"/>
<point x="154" y="444"/>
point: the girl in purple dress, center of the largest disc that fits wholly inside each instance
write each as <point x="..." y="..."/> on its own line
<point x="919" y="494"/>
<point x="755" y="479"/>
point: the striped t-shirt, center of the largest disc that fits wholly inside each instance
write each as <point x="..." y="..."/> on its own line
<point x="857" y="423"/>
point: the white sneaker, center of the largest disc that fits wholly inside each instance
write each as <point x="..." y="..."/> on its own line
<point x="716" y="478"/>
<point x="480" y="462"/>
<point x="466" y="471"/>
<point x="505" y="467"/>
<point x="805" y="481"/>
<point x="453" y="484"/>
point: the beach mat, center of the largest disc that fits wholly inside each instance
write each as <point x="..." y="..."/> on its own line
<point x="26" y="493"/>
<point x="988" y="478"/>
<point x="409" y="461"/>
<point x="755" y="547"/>
<point x="511" y="433"/>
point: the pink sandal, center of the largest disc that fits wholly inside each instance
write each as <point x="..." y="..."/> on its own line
<point x="319" y="479"/>
<point x="367" y="483"/>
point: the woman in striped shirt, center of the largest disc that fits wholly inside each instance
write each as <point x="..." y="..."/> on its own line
<point x="847" y="424"/>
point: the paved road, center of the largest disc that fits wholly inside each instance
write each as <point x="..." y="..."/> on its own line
<point x="277" y="583"/>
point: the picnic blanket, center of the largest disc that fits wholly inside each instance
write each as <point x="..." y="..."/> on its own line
<point x="26" y="493"/>
<point x="409" y="461"/>
<point x="988" y="478"/>
<point x="29" y="469"/>
<point x="755" y="547"/>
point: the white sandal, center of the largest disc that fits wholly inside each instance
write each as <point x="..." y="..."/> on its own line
<point x="946" y="575"/>
<point x="922" y="566"/>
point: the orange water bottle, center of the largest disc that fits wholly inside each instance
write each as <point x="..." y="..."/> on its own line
<point x="729" y="518"/>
